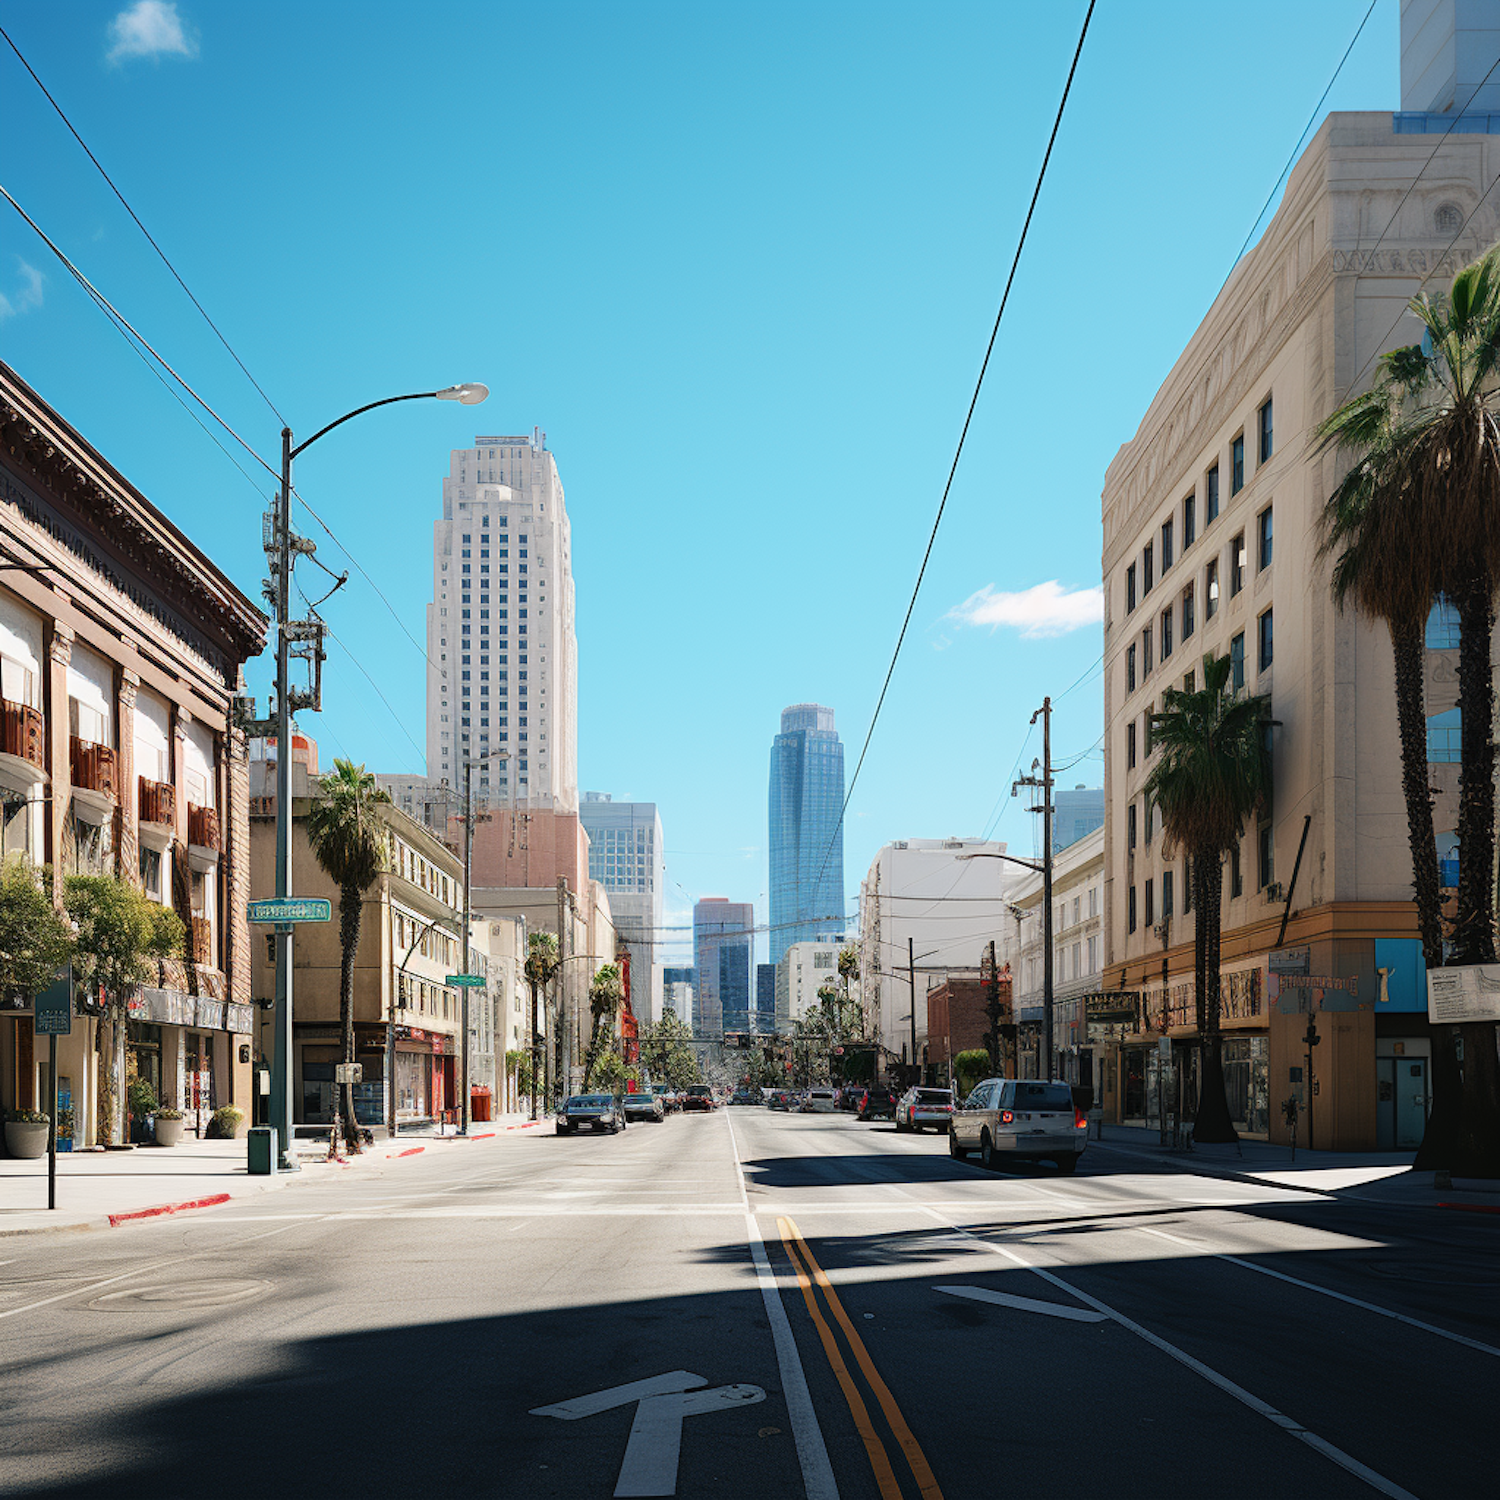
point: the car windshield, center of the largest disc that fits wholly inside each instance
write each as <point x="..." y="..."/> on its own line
<point x="699" y="1089"/>
<point x="1043" y="1096"/>
<point x="590" y="1101"/>
<point x="934" y="1096"/>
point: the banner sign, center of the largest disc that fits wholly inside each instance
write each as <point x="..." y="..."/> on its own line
<point x="1468" y="993"/>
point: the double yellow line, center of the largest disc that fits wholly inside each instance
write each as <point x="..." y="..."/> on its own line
<point x="809" y="1272"/>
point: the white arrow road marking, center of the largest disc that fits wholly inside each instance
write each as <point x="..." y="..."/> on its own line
<point x="1025" y="1304"/>
<point x="651" y="1455"/>
<point x="621" y="1395"/>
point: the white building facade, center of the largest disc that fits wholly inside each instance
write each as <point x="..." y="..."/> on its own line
<point x="625" y="857"/>
<point x="804" y="969"/>
<point x="502" y="647"/>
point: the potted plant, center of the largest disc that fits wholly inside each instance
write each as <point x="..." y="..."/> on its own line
<point x="168" y="1126"/>
<point x="228" y="1123"/>
<point x="26" y="1132"/>
<point x="142" y="1103"/>
<point x="66" y="1124"/>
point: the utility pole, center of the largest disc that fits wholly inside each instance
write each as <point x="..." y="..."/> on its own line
<point x="911" y="974"/>
<point x="1044" y="785"/>
<point x="463" y="961"/>
<point x="562" y="1045"/>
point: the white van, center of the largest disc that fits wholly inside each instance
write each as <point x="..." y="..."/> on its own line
<point x="823" y="1101"/>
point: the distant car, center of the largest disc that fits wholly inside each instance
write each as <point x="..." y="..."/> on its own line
<point x="918" y="1108"/>
<point x="877" y="1104"/>
<point x="699" y="1098"/>
<point x="672" y="1101"/>
<point x="850" y="1096"/>
<point x="644" y="1106"/>
<point x="744" y="1096"/>
<point x="1020" y="1118"/>
<point x="779" y="1099"/>
<point x="597" y="1111"/>
<point x="823" y="1101"/>
<point x="804" y="1104"/>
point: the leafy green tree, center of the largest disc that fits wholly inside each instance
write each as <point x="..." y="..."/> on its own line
<point x="666" y="1052"/>
<point x="606" y="990"/>
<point x="1416" y="517"/>
<point x="120" y="934"/>
<point x="971" y="1067"/>
<point x="1211" y="772"/>
<point x="518" y="1066"/>
<point x="542" y="965"/>
<point x="348" y="834"/>
<point x="35" y="939"/>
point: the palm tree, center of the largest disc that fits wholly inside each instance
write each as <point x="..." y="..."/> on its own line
<point x="606" y="989"/>
<point x="348" y="836"/>
<point x="1424" y="499"/>
<point x="1212" y="772"/>
<point x="542" y="962"/>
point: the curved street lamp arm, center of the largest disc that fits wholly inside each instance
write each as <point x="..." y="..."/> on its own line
<point x="358" y="412"/>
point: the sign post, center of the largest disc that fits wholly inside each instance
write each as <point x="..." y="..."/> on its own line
<point x="464" y="981"/>
<point x="290" y="909"/>
<point x="52" y="1017"/>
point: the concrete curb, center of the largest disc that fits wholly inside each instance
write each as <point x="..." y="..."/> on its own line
<point x="115" y="1220"/>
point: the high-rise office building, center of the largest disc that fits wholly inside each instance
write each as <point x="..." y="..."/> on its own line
<point x="806" y="828"/>
<point x="723" y="947"/>
<point x="1076" y="814"/>
<point x="625" y="857"/>
<point x="502" y="650"/>
<point x="765" y="999"/>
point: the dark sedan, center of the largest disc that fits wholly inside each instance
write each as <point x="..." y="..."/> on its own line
<point x="878" y="1104"/>
<point x="597" y="1111"/>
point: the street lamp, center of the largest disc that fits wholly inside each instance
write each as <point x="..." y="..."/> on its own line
<point x="281" y="1093"/>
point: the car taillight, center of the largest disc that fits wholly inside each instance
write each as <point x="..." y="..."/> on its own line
<point x="1007" y="1117"/>
<point x="1080" y="1120"/>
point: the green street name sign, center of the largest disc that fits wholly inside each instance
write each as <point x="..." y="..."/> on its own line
<point x="290" y="909"/>
<point x="465" y="981"/>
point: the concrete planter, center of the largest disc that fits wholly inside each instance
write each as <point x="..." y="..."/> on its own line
<point x="25" y="1141"/>
<point x="168" y="1132"/>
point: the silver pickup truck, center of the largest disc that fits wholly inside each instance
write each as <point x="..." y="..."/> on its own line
<point x="1019" y="1118"/>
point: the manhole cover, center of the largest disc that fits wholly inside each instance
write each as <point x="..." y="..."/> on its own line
<point x="181" y="1296"/>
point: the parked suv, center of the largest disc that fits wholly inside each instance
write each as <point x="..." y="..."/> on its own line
<point x="918" y="1108"/>
<point x="597" y="1111"/>
<point x="1020" y="1118"/>
<point x="878" y="1104"/>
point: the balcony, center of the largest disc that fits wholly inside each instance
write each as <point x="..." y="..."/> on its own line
<point x="202" y="940"/>
<point x="23" y="743"/>
<point x="95" y="774"/>
<point x="158" y="812"/>
<point x="205" y="842"/>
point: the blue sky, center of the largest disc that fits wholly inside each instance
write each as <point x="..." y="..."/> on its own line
<point x="739" y="262"/>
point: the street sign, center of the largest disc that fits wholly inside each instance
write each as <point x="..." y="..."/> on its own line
<point x="465" y="981"/>
<point x="290" y="909"/>
<point x="52" y="1014"/>
<point x="348" y="1072"/>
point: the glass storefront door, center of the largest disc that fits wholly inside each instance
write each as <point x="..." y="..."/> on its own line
<point x="1247" y="1083"/>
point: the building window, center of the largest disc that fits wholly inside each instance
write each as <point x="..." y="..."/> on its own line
<point x="1166" y="544"/>
<point x="1166" y="893"/>
<point x="1130" y="669"/>
<point x="1442" y="626"/>
<point x="1266" y="864"/>
<point x="1190" y="520"/>
<point x="1130" y="746"/>
<point x="1264" y="445"/>
<point x="1129" y="588"/>
<point x="1145" y="651"/>
<point x="1130" y="827"/>
<point x="1265" y="653"/>
<point x="1237" y="561"/>
<point x="1237" y="464"/>
<point x="1147" y="576"/>
<point x="1211" y="496"/>
<point x="1146" y="812"/>
<point x="1187" y="886"/>
<point x="1237" y="662"/>
<point x="1188" y="622"/>
<point x="1190" y="682"/>
<point x="1093" y="955"/>
<point x="1130" y="910"/>
<point x="1264" y="560"/>
<point x="1150" y="902"/>
<point x="151" y="872"/>
<point x="1236" y="875"/>
<point x="1445" y="737"/>
<point x="1211" y="590"/>
<point x="1166" y="633"/>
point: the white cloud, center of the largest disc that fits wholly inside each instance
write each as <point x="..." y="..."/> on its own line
<point x="1043" y="610"/>
<point x="149" y="28"/>
<point x="29" y="295"/>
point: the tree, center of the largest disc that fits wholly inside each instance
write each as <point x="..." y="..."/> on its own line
<point x="665" y="1050"/>
<point x="1416" y="517"/>
<point x="35" y="940"/>
<point x="542" y="962"/>
<point x="606" y="990"/>
<point x="971" y="1067"/>
<point x="348" y="836"/>
<point x="1212" y="771"/>
<point x="120" y="934"/>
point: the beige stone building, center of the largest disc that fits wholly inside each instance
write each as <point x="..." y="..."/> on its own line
<point x="1211" y="516"/>
<point x="121" y="647"/>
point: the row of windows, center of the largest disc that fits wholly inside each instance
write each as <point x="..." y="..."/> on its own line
<point x="1147" y="574"/>
<point x="1147" y="911"/>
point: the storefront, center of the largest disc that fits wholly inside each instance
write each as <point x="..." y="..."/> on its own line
<point x="320" y="1050"/>
<point x="187" y="1049"/>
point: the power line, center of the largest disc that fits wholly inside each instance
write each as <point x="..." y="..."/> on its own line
<point x="962" y="438"/>
<point x="128" y="209"/>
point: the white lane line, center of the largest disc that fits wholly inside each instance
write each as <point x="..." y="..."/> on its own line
<point x="1384" y="1312"/>
<point x="620" y="1395"/>
<point x="1022" y="1304"/>
<point x="812" y="1453"/>
<point x="1287" y="1424"/>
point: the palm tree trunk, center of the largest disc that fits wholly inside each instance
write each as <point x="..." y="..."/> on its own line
<point x="1202" y="860"/>
<point x="351" y="908"/>
<point x="1475" y="937"/>
<point x="1411" y="719"/>
<point x="1213" y="1123"/>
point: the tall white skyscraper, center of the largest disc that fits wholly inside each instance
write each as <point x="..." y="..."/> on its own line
<point x="501" y="642"/>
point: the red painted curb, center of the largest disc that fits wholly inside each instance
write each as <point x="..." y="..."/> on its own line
<point x="167" y="1208"/>
<point x="411" y="1151"/>
<point x="1472" y="1208"/>
<point x="489" y="1135"/>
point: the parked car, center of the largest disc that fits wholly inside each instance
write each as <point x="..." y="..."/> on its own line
<point x="850" y="1096"/>
<point x="744" y="1096"/>
<point x="1021" y="1119"/>
<point x="824" y="1101"/>
<point x="779" y="1099"/>
<point x="699" y="1098"/>
<point x="597" y="1111"/>
<point x="804" y="1103"/>
<point x="918" y="1108"/>
<point x="644" y="1105"/>
<point x="877" y="1104"/>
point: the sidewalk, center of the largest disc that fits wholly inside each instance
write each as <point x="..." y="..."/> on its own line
<point x="1365" y="1176"/>
<point x="108" y="1189"/>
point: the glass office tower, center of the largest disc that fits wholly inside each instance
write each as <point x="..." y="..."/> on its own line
<point x="806" y="832"/>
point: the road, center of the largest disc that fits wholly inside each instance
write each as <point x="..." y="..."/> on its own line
<point x="833" y="1309"/>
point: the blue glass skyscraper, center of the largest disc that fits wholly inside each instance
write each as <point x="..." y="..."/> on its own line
<point x="807" y="832"/>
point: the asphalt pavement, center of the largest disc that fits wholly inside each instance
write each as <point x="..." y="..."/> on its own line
<point x="748" y="1304"/>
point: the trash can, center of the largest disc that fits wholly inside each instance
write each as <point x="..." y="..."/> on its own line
<point x="479" y="1104"/>
<point x="262" y="1150"/>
